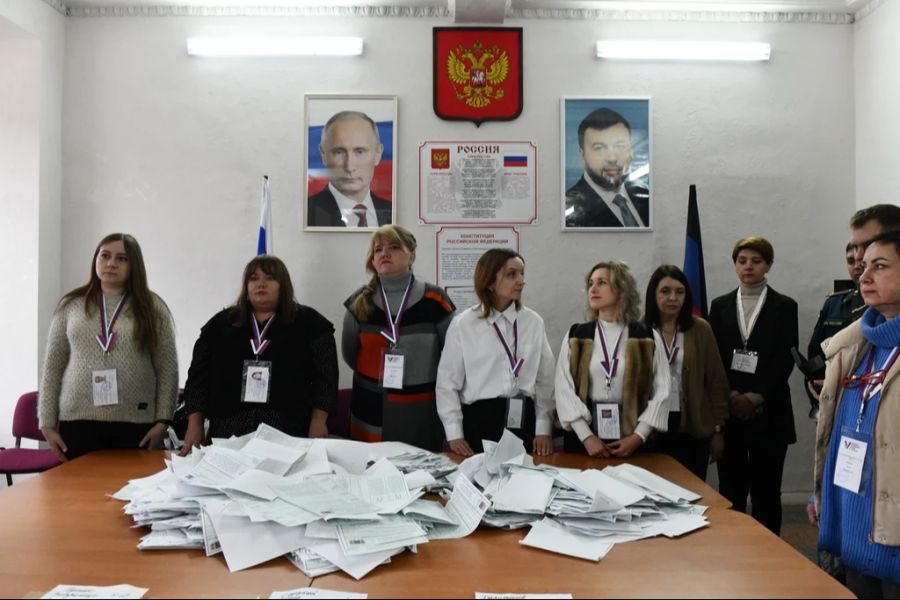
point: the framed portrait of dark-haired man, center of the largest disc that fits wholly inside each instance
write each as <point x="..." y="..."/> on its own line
<point x="605" y="164"/>
<point x="349" y="172"/>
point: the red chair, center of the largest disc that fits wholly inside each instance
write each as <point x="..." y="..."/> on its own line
<point x="16" y="461"/>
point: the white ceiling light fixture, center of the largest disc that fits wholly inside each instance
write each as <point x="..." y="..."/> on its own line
<point x="274" y="46"/>
<point x="683" y="50"/>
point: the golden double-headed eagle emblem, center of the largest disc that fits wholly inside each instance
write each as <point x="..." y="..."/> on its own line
<point x="477" y="73"/>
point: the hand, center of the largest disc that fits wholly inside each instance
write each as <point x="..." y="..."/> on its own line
<point x="153" y="439"/>
<point x="318" y="425"/>
<point x="716" y="446"/>
<point x="815" y="387"/>
<point x="626" y="446"/>
<point x="596" y="447"/>
<point x="742" y="408"/>
<point x="811" y="514"/>
<point x="56" y="443"/>
<point x="461" y="446"/>
<point x="543" y="445"/>
<point x="193" y="436"/>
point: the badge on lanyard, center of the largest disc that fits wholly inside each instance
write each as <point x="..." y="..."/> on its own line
<point x="393" y="362"/>
<point x="257" y="374"/>
<point x="610" y="363"/>
<point x="851" y="458"/>
<point x="607" y="418"/>
<point x="744" y="360"/>
<point x="515" y="410"/>
<point x="392" y="376"/>
<point x="256" y="379"/>
<point x="104" y="387"/>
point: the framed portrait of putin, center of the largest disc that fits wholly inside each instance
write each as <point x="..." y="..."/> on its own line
<point x="606" y="174"/>
<point x="349" y="173"/>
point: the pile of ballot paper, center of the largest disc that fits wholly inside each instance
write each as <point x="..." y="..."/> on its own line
<point x="330" y="504"/>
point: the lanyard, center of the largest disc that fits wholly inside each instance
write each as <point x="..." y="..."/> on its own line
<point x="672" y="352"/>
<point x="747" y="328"/>
<point x="107" y="335"/>
<point x="259" y="343"/>
<point x="393" y="334"/>
<point x="871" y="379"/>
<point x="515" y="363"/>
<point x="609" y="366"/>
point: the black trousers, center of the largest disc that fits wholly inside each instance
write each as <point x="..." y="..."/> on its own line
<point x="486" y="420"/>
<point x="753" y="463"/>
<point x="868" y="587"/>
<point x="82" y="437"/>
<point x="686" y="449"/>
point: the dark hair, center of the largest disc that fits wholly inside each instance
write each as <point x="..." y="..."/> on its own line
<point x="849" y="247"/>
<point x="651" y="308"/>
<point x="490" y="263"/>
<point x="350" y="114"/>
<point x="756" y="243"/>
<point x="623" y="284"/>
<point x="887" y="237"/>
<point x="362" y="307"/>
<point x="141" y="298"/>
<point x="270" y="265"/>
<point x="887" y="215"/>
<point x="600" y="119"/>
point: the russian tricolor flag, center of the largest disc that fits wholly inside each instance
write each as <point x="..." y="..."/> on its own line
<point x="264" y="243"/>
<point x="515" y="161"/>
<point x="693" y="257"/>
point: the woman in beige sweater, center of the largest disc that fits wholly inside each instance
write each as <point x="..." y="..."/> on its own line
<point x="110" y="377"/>
<point x="698" y="386"/>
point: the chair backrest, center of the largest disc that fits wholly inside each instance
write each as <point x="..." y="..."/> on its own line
<point x="339" y="419"/>
<point x="25" y="419"/>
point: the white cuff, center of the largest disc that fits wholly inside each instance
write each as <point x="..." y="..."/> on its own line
<point x="582" y="429"/>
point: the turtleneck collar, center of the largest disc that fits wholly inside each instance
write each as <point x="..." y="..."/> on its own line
<point x="753" y="289"/>
<point x="396" y="283"/>
<point x="880" y="331"/>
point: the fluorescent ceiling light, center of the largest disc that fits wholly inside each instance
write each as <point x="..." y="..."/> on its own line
<point x="275" y="46"/>
<point x="682" y="50"/>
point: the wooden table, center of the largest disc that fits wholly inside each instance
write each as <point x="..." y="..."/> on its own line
<point x="60" y="527"/>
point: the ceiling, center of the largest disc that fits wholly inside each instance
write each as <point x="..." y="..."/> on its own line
<point x="813" y="6"/>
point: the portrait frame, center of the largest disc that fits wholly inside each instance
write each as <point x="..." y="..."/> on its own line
<point x="582" y="207"/>
<point x="320" y="209"/>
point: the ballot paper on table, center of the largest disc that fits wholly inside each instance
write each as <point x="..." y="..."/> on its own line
<point x="309" y="593"/>
<point x="551" y="536"/>
<point x="308" y="561"/>
<point x="351" y="456"/>
<point x="608" y="493"/>
<point x="524" y="492"/>
<point x="336" y="496"/>
<point x="270" y="434"/>
<point x="429" y="511"/>
<point x="509" y="448"/>
<point x="651" y="481"/>
<point x="93" y="591"/>
<point x="355" y="566"/>
<point x="389" y="532"/>
<point x="274" y="458"/>
<point x="466" y="506"/>
<point x="246" y="544"/>
<point x="171" y="539"/>
<point x="220" y="466"/>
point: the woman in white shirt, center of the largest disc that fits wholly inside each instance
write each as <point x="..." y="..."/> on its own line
<point x="496" y="369"/>
<point x="612" y="378"/>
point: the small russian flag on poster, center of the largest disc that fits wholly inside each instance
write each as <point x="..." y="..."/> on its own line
<point x="515" y="161"/>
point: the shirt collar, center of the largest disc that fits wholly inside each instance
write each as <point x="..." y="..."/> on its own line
<point x="510" y="314"/>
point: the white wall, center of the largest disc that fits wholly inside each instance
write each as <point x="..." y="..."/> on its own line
<point x="31" y="60"/>
<point x="172" y="148"/>
<point x="876" y="80"/>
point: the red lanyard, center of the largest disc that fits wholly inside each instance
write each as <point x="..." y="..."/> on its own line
<point x="672" y="352"/>
<point x="871" y="380"/>
<point x="259" y="343"/>
<point x="609" y="366"/>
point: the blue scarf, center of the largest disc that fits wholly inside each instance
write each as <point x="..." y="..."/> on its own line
<point x="879" y="331"/>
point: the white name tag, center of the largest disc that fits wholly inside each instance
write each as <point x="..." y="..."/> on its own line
<point x="257" y="376"/>
<point x="744" y="361"/>
<point x="849" y="465"/>
<point x="607" y="418"/>
<point x="104" y="387"/>
<point x="514" y="412"/>
<point x="393" y="371"/>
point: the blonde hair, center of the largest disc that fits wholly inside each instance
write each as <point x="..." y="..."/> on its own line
<point x="393" y="234"/>
<point x="623" y="284"/>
